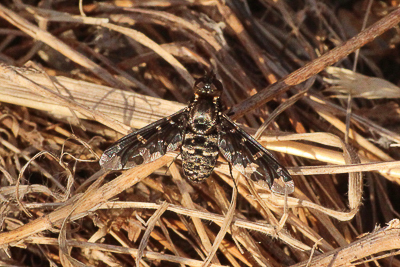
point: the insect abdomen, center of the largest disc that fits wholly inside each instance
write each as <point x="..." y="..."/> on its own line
<point x="199" y="155"/>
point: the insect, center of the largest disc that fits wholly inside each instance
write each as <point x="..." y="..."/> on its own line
<point x="201" y="131"/>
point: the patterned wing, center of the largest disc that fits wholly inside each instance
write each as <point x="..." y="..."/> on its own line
<point x="251" y="159"/>
<point x="146" y="144"/>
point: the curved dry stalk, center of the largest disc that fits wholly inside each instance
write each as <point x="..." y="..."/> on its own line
<point x="188" y="203"/>
<point x="27" y="158"/>
<point x="144" y="40"/>
<point x="291" y="101"/>
<point x="356" y="137"/>
<point x="64" y="253"/>
<point x="18" y="197"/>
<point x="216" y="218"/>
<point x="135" y="35"/>
<point x="9" y="192"/>
<point x="118" y="249"/>
<point x="7" y="175"/>
<point x="89" y="202"/>
<point x="130" y="108"/>
<point x="385" y="239"/>
<point x="151" y="223"/>
<point x="224" y="228"/>
<point x="318" y="153"/>
<point x="317" y="65"/>
<point x="355" y="182"/>
<point x="276" y="208"/>
<point x="47" y="38"/>
<point x="13" y="75"/>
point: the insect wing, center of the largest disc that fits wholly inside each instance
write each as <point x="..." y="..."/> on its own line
<point x="146" y="144"/>
<point x="251" y="159"/>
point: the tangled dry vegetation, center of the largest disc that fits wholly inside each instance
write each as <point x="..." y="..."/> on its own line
<point x="75" y="78"/>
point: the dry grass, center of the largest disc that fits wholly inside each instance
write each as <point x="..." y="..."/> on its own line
<point x="93" y="75"/>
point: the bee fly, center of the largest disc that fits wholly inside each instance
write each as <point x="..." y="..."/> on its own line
<point x="201" y="131"/>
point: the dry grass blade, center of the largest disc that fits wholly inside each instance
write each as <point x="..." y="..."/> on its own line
<point x="224" y="228"/>
<point x="61" y="47"/>
<point x="151" y="223"/>
<point x="219" y="219"/>
<point x="17" y="195"/>
<point x="149" y="53"/>
<point x="282" y="108"/>
<point x="133" y="109"/>
<point x="65" y="251"/>
<point x="90" y="202"/>
<point x="16" y="77"/>
<point x="358" y="85"/>
<point x="118" y="249"/>
<point x="188" y="203"/>
<point x="149" y="43"/>
<point x="381" y="240"/>
<point x="319" y="64"/>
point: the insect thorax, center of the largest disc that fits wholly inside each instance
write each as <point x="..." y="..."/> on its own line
<point x="200" y="146"/>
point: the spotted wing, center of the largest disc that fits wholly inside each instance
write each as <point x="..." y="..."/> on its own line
<point x="251" y="159"/>
<point x="146" y="144"/>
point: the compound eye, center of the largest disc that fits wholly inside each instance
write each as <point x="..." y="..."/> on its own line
<point x="217" y="86"/>
<point x="199" y="84"/>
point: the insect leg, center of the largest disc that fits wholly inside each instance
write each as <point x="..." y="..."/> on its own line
<point x="233" y="178"/>
<point x="173" y="161"/>
<point x="285" y="215"/>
